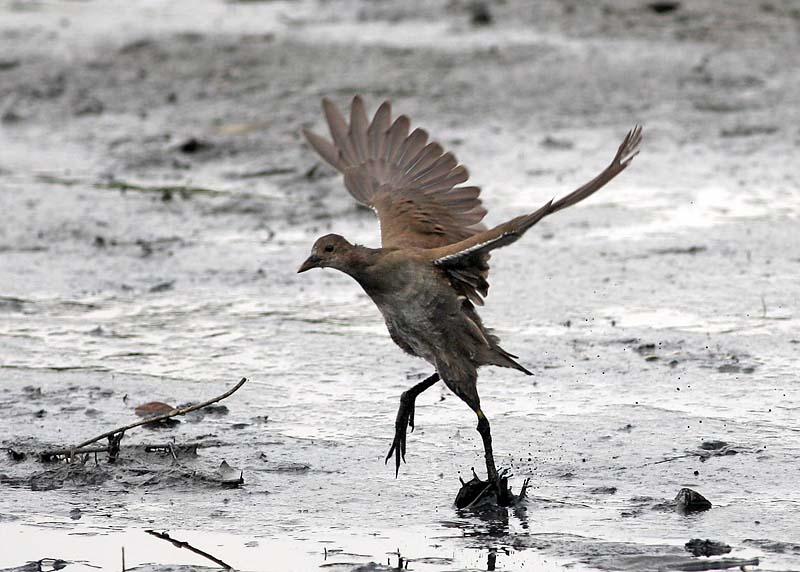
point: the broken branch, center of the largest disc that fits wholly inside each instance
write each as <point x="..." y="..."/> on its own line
<point x="187" y="546"/>
<point x="80" y="448"/>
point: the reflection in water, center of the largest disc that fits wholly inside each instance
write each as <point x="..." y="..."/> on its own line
<point x="492" y="529"/>
<point x="81" y="549"/>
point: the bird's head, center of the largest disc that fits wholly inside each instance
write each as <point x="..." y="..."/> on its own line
<point x="329" y="251"/>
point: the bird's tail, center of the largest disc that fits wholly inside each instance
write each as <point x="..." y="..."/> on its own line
<point x="504" y="359"/>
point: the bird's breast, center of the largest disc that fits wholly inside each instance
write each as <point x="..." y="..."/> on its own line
<point x="409" y="327"/>
<point x="416" y="317"/>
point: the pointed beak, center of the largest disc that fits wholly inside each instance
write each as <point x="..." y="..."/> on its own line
<point x="311" y="262"/>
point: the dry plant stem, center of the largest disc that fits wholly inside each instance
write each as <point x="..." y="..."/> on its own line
<point x="669" y="460"/>
<point x="104" y="449"/>
<point x="100" y="449"/>
<point x="173" y="413"/>
<point x="187" y="546"/>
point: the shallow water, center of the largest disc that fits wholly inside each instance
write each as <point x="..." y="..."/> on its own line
<point x="659" y="316"/>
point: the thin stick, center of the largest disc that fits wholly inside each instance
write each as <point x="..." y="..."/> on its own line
<point x="173" y="413"/>
<point x="99" y="449"/>
<point x="103" y="449"/>
<point x="187" y="546"/>
<point x="670" y="459"/>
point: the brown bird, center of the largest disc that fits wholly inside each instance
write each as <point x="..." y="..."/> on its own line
<point x="431" y="270"/>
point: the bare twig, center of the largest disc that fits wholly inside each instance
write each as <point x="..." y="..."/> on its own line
<point x="156" y="448"/>
<point x="173" y="413"/>
<point x="670" y="459"/>
<point x="187" y="546"/>
<point x="120" y="430"/>
<point x="174" y="449"/>
<point x="667" y="460"/>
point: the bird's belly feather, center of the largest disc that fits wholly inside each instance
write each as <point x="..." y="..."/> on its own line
<point x="413" y="325"/>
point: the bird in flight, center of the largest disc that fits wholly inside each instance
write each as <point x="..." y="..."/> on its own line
<point x="432" y="268"/>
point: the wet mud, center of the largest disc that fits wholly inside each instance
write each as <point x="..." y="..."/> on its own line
<point x="158" y="198"/>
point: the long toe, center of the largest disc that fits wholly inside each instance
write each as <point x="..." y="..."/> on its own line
<point x="398" y="449"/>
<point x="405" y="419"/>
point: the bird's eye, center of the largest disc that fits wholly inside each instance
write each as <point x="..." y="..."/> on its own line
<point x="328" y="248"/>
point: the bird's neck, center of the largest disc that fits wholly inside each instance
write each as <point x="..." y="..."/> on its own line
<point x="364" y="266"/>
<point x="360" y="260"/>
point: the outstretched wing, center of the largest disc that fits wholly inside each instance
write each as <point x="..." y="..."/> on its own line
<point x="408" y="181"/>
<point x="465" y="261"/>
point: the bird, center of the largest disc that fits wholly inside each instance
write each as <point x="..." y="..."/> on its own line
<point x="431" y="272"/>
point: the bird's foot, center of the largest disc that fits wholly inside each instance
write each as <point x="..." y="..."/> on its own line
<point x="477" y="492"/>
<point x="405" y="418"/>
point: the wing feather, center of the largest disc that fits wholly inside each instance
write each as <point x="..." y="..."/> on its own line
<point x="377" y="131"/>
<point x="409" y="180"/>
<point x="339" y="131"/>
<point x="410" y="150"/>
<point x="358" y="129"/>
<point x="465" y="261"/>
<point x="440" y="168"/>
<point x="325" y="148"/>
<point x="397" y="134"/>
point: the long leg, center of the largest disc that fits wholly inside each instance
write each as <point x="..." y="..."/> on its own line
<point x="405" y="418"/>
<point x="461" y="377"/>
<point x="497" y="482"/>
<point x="486" y="435"/>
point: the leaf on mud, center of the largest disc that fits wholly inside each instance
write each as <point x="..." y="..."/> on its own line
<point x="229" y="476"/>
<point x="153" y="409"/>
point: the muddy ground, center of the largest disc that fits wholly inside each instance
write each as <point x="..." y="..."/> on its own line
<point x="157" y="198"/>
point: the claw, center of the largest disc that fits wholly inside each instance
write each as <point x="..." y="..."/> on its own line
<point x="405" y="418"/>
<point x="398" y="449"/>
<point x="524" y="490"/>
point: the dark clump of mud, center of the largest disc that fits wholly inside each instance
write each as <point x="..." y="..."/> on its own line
<point x="688" y="500"/>
<point x="706" y="547"/>
<point x="41" y="565"/>
<point x="155" y="466"/>
<point x="477" y="493"/>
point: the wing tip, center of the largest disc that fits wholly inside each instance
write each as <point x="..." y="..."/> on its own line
<point x="384" y="108"/>
<point x="630" y="146"/>
<point x="308" y="134"/>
